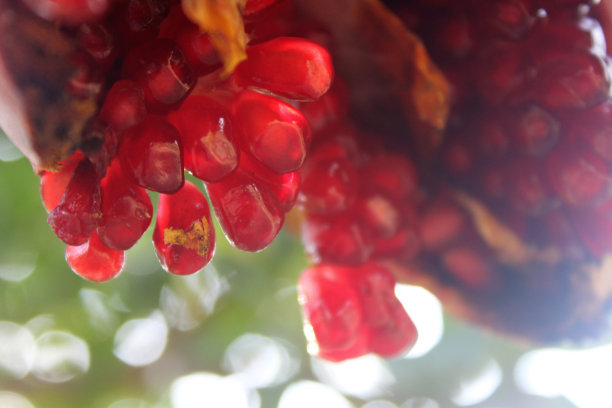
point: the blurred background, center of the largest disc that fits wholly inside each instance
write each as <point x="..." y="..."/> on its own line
<point x="231" y="335"/>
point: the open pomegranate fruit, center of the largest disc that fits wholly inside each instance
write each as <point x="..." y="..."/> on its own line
<point x="465" y="146"/>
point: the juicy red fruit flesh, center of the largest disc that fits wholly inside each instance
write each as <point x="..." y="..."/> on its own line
<point x="184" y="237"/>
<point x="78" y="213"/>
<point x="126" y="210"/>
<point x="95" y="261"/>
<point x="151" y="155"/>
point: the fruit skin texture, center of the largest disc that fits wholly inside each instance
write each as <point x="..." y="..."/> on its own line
<point x="95" y="261"/>
<point x="184" y="237"/>
<point x="352" y="310"/>
<point x="78" y="213"/>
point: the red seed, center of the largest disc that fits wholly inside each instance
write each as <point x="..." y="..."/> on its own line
<point x="78" y="213"/>
<point x="329" y="185"/>
<point x="392" y="175"/>
<point x="536" y="130"/>
<point x="284" y="186"/>
<point x="126" y="210"/>
<point x="339" y="238"/>
<point x="95" y="261"/>
<point x="440" y="225"/>
<point x="468" y="266"/>
<point x="184" y="237"/>
<point x="124" y="105"/>
<point x="290" y="67"/>
<point x="249" y="214"/>
<point x="273" y="131"/>
<point x="210" y="150"/>
<point x="151" y="155"/>
<point x="53" y="184"/>
<point x="163" y="72"/>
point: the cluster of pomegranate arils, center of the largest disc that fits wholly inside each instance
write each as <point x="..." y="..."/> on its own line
<point x="169" y="110"/>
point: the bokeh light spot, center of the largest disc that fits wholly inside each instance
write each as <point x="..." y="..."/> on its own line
<point x="210" y="390"/>
<point x="309" y="394"/>
<point x="17" y="349"/>
<point x="9" y="399"/>
<point x="479" y="387"/>
<point x="60" y="356"/>
<point x="140" y="342"/>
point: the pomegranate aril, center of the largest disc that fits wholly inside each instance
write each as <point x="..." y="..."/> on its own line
<point x="338" y="238"/>
<point x="78" y="213"/>
<point x="284" y="186"/>
<point x="536" y="130"/>
<point x="184" y="236"/>
<point x="71" y="12"/>
<point x="392" y="175"/>
<point x="163" y="72"/>
<point x="332" y="313"/>
<point x="95" y="261"/>
<point x="250" y="215"/>
<point x="290" y="67"/>
<point x="145" y="14"/>
<point x="380" y="214"/>
<point x="469" y="267"/>
<point x="151" y="155"/>
<point x="210" y="151"/>
<point x="195" y="44"/>
<point x="441" y="224"/>
<point x="97" y="40"/>
<point x="124" y="105"/>
<point x="273" y="131"/>
<point x="126" y="210"/>
<point x="100" y="144"/>
<point x="86" y="81"/>
<point x="579" y="177"/>
<point x="53" y="184"/>
<point x="528" y="189"/>
<point x="329" y="184"/>
<point x="329" y="108"/>
<point x="390" y="329"/>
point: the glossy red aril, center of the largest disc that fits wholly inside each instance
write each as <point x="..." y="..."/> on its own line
<point x="184" y="236"/>
<point x="290" y="67"/>
<point x="72" y="12"/>
<point x="126" y="210"/>
<point x="578" y="176"/>
<point x="53" y="184"/>
<point x="95" y="261"/>
<point x="151" y="155"/>
<point x="329" y="184"/>
<point x="273" y="131"/>
<point x="124" y="105"/>
<point x="78" y="213"/>
<point x="353" y="310"/>
<point x="392" y="175"/>
<point x="378" y="213"/>
<point x="250" y="215"/>
<point x="284" y="186"/>
<point x="338" y="238"/>
<point x="206" y="129"/>
<point x="333" y="314"/>
<point x="195" y="44"/>
<point x="163" y="72"/>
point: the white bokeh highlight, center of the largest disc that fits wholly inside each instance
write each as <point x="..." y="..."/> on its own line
<point x="259" y="361"/>
<point x="365" y="377"/>
<point x="425" y="310"/>
<point x="17" y="349"/>
<point x="479" y="387"/>
<point x="203" y="389"/>
<point x="60" y="356"/>
<point x="581" y="376"/>
<point x="311" y="394"/>
<point x="17" y="266"/>
<point x="9" y="399"/>
<point x="140" y="342"/>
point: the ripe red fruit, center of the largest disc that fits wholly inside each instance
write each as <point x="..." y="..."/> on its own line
<point x="124" y="105"/>
<point x="349" y="311"/>
<point x="68" y="11"/>
<point x="126" y="210"/>
<point x="184" y="236"/>
<point x="53" y="184"/>
<point x="163" y="72"/>
<point x="250" y="215"/>
<point x="151" y="155"/>
<point x="273" y="131"/>
<point x="78" y="213"/>
<point x="206" y="129"/>
<point x="95" y="261"/>
<point x="392" y="175"/>
<point x="290" y="67"/>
